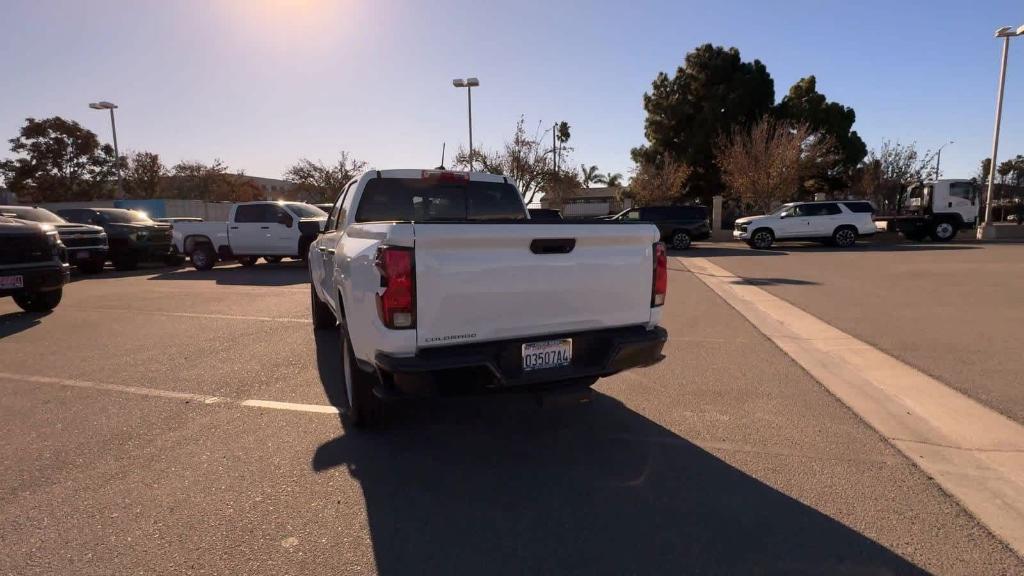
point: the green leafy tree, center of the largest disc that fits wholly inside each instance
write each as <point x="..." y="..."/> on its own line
<point x="144" y="175"/>
<point x="687" y="113"/>
<point x="211" y="183"/>
<point x="805" y="105"/>
<point x="58" y="160"/>
<point x="319" y="182"/>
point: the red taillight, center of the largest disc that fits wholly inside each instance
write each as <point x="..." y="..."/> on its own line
<point x="396" y="304"/>
<point x="660" y="285"/>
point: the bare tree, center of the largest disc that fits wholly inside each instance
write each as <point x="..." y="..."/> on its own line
<point x="885" y="175"/>
<point x="318" y="182"/>
<point x="765" y="164"/>
<point x="658" y="183"/>
<point x="524" y="159"/>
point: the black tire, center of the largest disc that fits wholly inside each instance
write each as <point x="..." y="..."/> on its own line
<point x="364" y="408"/>
<point x="39" y="301"/>
<point x="124" y="262"/>
<point x="203" y="257"/>
<point x="93" y="265"/>
<point x="844" y="237"/>
<point x="943" y="231"/>
<point x="304" y="249"/>
<point x="680" y="240"/>
<point x="761" y="239"/>
<point x="272" y="259"/>
<point x="320" y="311"/>
<point x="248" y="260"/>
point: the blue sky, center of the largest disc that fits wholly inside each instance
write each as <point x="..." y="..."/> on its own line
<point x="260" y="83"/>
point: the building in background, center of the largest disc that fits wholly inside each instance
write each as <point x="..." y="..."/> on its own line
<point x="591" y="202"/>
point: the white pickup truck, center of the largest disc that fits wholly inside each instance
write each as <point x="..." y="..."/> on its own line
<point x="437" y="276"/>
<point x="271" y="230"/>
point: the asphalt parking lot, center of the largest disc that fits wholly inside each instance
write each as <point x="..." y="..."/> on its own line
<point x="136" y="438"/>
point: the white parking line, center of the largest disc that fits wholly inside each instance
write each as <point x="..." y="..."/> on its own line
<point x="199" y="398"/>
<point x="192" y="314"/>
<point x="972" y="451"/>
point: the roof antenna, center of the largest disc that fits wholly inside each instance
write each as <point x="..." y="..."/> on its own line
<point x="441" y="166"/>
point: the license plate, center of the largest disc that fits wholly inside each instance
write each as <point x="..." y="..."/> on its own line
<point x="82" y="255"/>
<point x="12" y="282"/>
<point x="548" y="354"/>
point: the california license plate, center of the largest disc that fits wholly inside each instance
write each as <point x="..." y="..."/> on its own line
<point x="548" y="354"/>
<point x="12" y="282"/>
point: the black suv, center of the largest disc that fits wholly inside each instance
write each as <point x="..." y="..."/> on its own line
<point x="86" y="244"/>
<point x="679" y="225"/>
<point x="33" y="265"/>
<point x="132" y="236"/>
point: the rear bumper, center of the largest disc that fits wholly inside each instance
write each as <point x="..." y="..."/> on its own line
<point x="37" y="279"/>
<point x="498" y="365"/>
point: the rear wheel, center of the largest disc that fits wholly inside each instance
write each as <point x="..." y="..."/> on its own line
<point x="272" y="259"/>
<point x="39" y="301"/>
<point x="844" y="236"/>
<point x="364" y="408"/>
<point x="203" y="257"/>
<point x="943" y="231"/>
<point x="320" y="311"/>
<point x="762" y="239"/>
<point x="680" y="240"/>
<point x="247" y="260"/>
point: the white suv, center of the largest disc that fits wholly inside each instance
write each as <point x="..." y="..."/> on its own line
<point x="839" y="222"/>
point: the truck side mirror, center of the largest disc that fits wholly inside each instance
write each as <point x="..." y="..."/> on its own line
<point x="284" y="219"/>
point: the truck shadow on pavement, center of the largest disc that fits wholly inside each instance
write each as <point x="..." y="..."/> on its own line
<point x="282" y="274"/>
<point x="14" y="322"/>
<point x="496" y="485"/>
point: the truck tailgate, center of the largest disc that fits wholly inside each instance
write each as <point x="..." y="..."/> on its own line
<point x="478" y="282"/>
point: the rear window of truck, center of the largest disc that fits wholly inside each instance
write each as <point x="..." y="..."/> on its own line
<point x="430" y="200"/>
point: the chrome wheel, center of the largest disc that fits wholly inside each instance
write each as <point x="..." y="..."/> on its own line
<point x="762" y="239"/>
<point x="845" y="237"/>
<point x="680" y="241"/>
<point x="944" y="231"/>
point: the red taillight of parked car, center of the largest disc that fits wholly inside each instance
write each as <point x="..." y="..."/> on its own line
<point x="396" y="304"/>
<point x="660" y="285"/>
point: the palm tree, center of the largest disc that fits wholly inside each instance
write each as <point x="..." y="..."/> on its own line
<point x="588" y="175"/>
<point x="611" y="179"/>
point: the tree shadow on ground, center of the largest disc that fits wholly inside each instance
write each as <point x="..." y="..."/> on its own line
<point x="495" y="485"/>
<point x="783" y="249"/>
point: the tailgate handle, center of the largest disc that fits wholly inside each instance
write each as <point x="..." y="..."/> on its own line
<point x="552" y="245"/>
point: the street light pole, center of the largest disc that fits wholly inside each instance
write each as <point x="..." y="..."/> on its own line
<point x="103" y="105"/>
<point x="468" y="84"/>
<point x="986" y="231"/>
<point x="938" y="158"/>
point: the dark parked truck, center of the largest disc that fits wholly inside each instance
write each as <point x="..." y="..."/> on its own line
<point x="33" y="264"/>
<point x="678" y="225"/>
<point x="133" y="237"/>
<point x="86" y="244"/>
